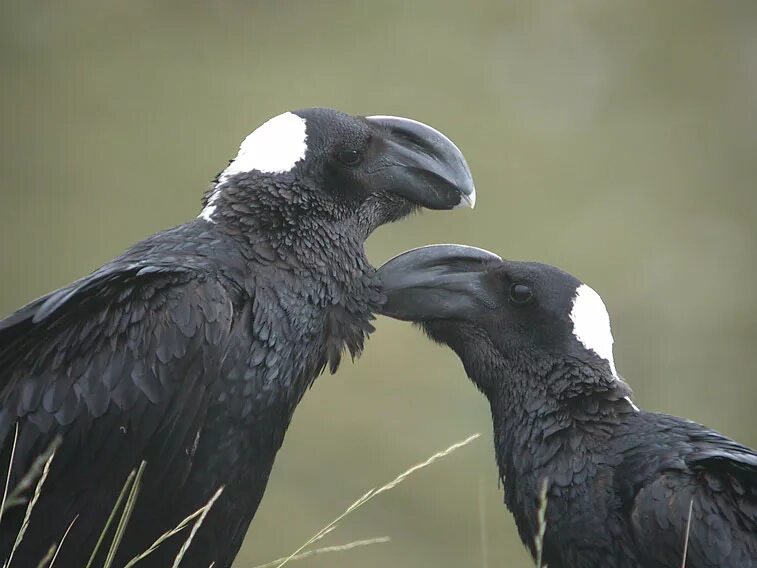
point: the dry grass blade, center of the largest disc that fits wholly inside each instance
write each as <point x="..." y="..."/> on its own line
<point x="46" y="558"/>
<point x="542" y="523"/>
<point x="688" y="529"/>
<point x="62" y="540"/>
<point x="402" y="477"/>
<point x="15" y="497"/>
<point x="113" y="511"/>
<point x="375" y="492"/>
<point x="125" y="516"/>
<point x="8" y="476"/>
<point x="196" y="527"/>
<point x="30" y="508"/>
<point x="482" y="525"/>
<point x="329" y="549"/>
<point x="165" y="536"/>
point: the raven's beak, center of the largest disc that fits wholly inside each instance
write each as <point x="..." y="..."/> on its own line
<point x="422" y="165"/>
<point x="438" y="282"/>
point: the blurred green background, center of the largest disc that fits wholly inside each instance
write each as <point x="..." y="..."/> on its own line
<point x="614" y="139"/>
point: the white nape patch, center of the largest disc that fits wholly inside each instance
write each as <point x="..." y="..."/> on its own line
<point x="591" y="324"/>
<point x="210" y="208"/>
<point x="274" y="147"/>
<point x="629" y="401"/>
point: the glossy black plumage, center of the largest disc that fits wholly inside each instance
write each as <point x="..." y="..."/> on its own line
<point x="193" y="348"/>
<point x="620" y="480"/>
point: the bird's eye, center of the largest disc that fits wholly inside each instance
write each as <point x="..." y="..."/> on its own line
<point x="350" y="157"/>
<point x="520" y="294"/>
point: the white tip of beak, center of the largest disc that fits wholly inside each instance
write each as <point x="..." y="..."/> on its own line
<point x="467" y="201"/>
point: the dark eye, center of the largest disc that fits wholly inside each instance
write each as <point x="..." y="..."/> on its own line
<point x="520" y="294"/>
<point x="350" y="157"/>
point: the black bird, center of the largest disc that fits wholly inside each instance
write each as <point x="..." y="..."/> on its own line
<point x="620" y="481"/>
<point x="192" y="349"/>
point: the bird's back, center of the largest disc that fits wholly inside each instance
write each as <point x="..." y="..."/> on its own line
<point x="685" y="486"/>
<point x="619" y="492"/>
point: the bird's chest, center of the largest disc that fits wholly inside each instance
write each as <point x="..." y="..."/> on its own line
<point x="567" y="478"/>
<point x="584" y="527"/>
<point x="284" y="339"/>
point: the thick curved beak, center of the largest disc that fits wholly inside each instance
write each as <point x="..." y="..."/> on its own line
<point x="437" y="282"/>
<point x="422" y="165"/>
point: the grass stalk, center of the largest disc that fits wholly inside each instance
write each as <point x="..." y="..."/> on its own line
<point x="328" y="550"/>
<point x="10" y="469"/>
<point x="125" y="516"/>
<point x="541" y="518"/>
<point x="688" y="530"/>
<point x="30" y="508"/>
<point x="483" y="525"/>
<point x="198" y="523"/>
<point x="62" y="540"/>
<point x="16" y="496"/>
<point x="368" y="496"/>
<point x="166" y="535"/>
<point x="113" y="511"/>
<point x="47" y="557"/>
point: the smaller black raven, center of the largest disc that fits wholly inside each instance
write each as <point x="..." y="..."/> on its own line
<point x="623" y="484"/>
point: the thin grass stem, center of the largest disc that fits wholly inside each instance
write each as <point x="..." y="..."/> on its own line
<point x="125" y="516"/>
<point x="165" y="536"/>
<point x="368" y="496"/>
<point x="113" y="511"/>
<point x="328" y="549"/>
<point x="15" y="497"/>
<point x="483" y="525"/>
<point x="30" y="508"/>
<point x="196" y="527"/>
<point x="62" y="540"/>
<point x="46" y="558"/>
<point x="542" y="522"/>
<point x="688" y="529"/>
<point x="10" y="469"/>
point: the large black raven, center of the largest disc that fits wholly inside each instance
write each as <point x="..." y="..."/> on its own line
<point x="622" y="483"/>
<point x="192" y="349"/>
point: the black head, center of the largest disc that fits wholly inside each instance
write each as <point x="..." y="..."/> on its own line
<point x="380" y="167"/>
<point x="486" y="308"/>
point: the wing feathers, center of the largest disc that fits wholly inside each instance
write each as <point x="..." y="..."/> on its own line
<point x="106" y="342"/>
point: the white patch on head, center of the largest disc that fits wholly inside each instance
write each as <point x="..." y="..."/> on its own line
<point x="591" y="324"/>
<point x="274" y="147"/>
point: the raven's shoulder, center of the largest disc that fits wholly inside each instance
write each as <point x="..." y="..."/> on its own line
<point x="107" y="278"/>
<point x="119" y="365"/>
<point x="675" y="474"/>
<point x="711" y="451"/>
<point x="652" y="442"/>
<point x="129" y="334"/>
<point x="189" y="252"/>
